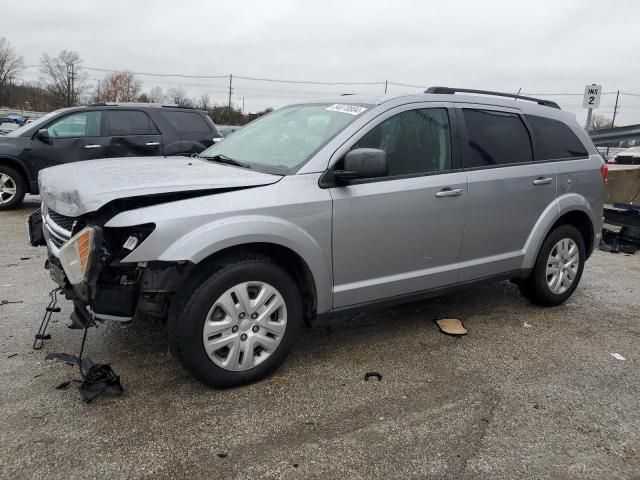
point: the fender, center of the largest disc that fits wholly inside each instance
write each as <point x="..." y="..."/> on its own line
<point x="20" y="167"/>
<point x="210" y="238"/>
<point x="563" y="204"/>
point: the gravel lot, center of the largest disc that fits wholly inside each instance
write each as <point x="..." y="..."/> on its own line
<point x="545" y="400"/>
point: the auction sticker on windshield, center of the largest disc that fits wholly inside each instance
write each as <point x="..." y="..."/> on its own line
<point x="350" y="109"/>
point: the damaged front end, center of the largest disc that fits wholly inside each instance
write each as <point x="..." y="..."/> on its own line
<point x="86" y="261"/>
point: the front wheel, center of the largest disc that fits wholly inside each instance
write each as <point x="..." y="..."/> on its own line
<point x="236" y="322"/>
<point x="558" y="268"/>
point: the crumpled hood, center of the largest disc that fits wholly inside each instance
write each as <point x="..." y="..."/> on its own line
<point x="74" y="189"/>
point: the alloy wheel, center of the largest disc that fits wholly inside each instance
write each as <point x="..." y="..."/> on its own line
<point x="562" y="266"/>
<point x="8" y="188"/>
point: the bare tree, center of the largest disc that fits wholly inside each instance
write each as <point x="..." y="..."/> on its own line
<point x="179" y="97"/>
<point x="204" y="102"/>
<point x="11" y="65"/>
<point x="62" y="76"/>
<point x="599" y="122"/>
<point x="156" y="95"/>
<point x="120" y="87"/>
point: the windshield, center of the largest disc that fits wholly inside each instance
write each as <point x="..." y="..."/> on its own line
<point x="284" y="140"/>
<point x="36" y="123"/>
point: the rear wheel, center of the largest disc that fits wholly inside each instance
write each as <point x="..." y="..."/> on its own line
<point x="558" y="268"/>
<point x="12" y="188"/>
<point x="236" y="321"/>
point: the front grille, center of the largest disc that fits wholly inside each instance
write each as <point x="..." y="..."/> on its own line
<point x="62" y="221"/>
<point x="57" y="229"/>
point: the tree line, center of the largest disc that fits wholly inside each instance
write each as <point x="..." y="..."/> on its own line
<point x="63" y="83"/>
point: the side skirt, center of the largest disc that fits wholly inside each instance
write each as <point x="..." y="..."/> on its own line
<point x="422" y="295"/>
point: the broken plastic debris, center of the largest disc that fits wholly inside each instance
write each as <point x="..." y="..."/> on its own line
<point x="617" y="356"/>
<point x="369" y="375"/>
<point x="526" y="325"/>
<point x="451" y="326"/>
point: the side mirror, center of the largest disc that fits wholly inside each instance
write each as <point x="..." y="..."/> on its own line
<point x="363" y="163"/>
<point x="43" y="134"/>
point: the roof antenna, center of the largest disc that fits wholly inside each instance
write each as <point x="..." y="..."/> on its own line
<point x="519" y="90"/>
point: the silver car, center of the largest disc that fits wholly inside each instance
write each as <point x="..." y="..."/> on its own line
<point x="322" y="208"/>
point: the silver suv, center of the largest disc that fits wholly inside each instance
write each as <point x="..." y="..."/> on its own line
<point x="321" y="208"/>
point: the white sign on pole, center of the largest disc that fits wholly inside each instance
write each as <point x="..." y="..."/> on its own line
<point x="592" y="96"/>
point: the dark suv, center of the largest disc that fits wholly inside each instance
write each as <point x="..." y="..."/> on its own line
<point x="97" y="131"/>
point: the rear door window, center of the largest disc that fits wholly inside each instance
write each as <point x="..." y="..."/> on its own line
<point x="555" y="140"/>
<point x="495" y="138"/>
<point x="187" y="122"/>
<point x="130" y="122"/>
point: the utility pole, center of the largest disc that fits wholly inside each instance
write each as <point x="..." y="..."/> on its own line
<point x="615" y="110"/>
<point x="73" y="83"/>
<point x="98" y="99"/>
<point x="242" y="105"/>
<point x="68" y="99"/>
<point x="386" y="85"/>
<point x="11" y="91"/>
<point x="230" y="91"/>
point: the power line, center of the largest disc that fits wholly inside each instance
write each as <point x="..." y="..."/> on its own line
<point x="310" y="82"/>
<point x="307" y="82"/>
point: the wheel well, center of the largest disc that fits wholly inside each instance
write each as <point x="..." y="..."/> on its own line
<point x="582" y="222"/>
<point x="287" y="259"/>
<point x="17" y="166"/>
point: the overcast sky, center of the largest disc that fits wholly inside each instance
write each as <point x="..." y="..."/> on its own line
<point x="540" y="46"/>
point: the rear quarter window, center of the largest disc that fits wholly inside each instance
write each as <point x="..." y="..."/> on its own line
<point x="555" y="140"/>
<point x="187" y="122"/>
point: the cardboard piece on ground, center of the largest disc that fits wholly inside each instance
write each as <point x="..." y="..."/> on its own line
<point x="451" y="326"/>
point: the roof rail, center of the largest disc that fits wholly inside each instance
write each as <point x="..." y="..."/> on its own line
<point x="138" y="104"/>
<point x="451" y="91"/>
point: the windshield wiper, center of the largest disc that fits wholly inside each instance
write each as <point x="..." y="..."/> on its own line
<point x="228" y="160"/>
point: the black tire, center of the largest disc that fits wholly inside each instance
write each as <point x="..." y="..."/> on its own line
<point x="20" y="185"/>
<point x="190" y="307"/>
<point x="535" y="287"/>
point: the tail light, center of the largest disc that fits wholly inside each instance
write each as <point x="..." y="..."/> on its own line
<point x="604" y="171"/>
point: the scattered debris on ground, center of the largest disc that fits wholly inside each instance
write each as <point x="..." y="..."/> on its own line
<point x="617" y="356"/>
<point x="7" y="302"/>
<point x="369" y="375"/>
<point x="451" y="326"/>
<point x="613" y="243"/>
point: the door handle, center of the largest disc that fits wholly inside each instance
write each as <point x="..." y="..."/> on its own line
<point x="543" y="181"/>
<point x="92" y="146"/>
<point x="449" y="192"/>
<point x="152" y="144"/>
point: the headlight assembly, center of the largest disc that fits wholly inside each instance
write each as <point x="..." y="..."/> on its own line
<point x="76" y="256"/>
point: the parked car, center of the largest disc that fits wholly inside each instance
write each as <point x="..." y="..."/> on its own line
<point x="8" y="127"/>
<point x="325" y="208"/>
<point x="226" y="130"/>
<point x="98" y="131"/>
